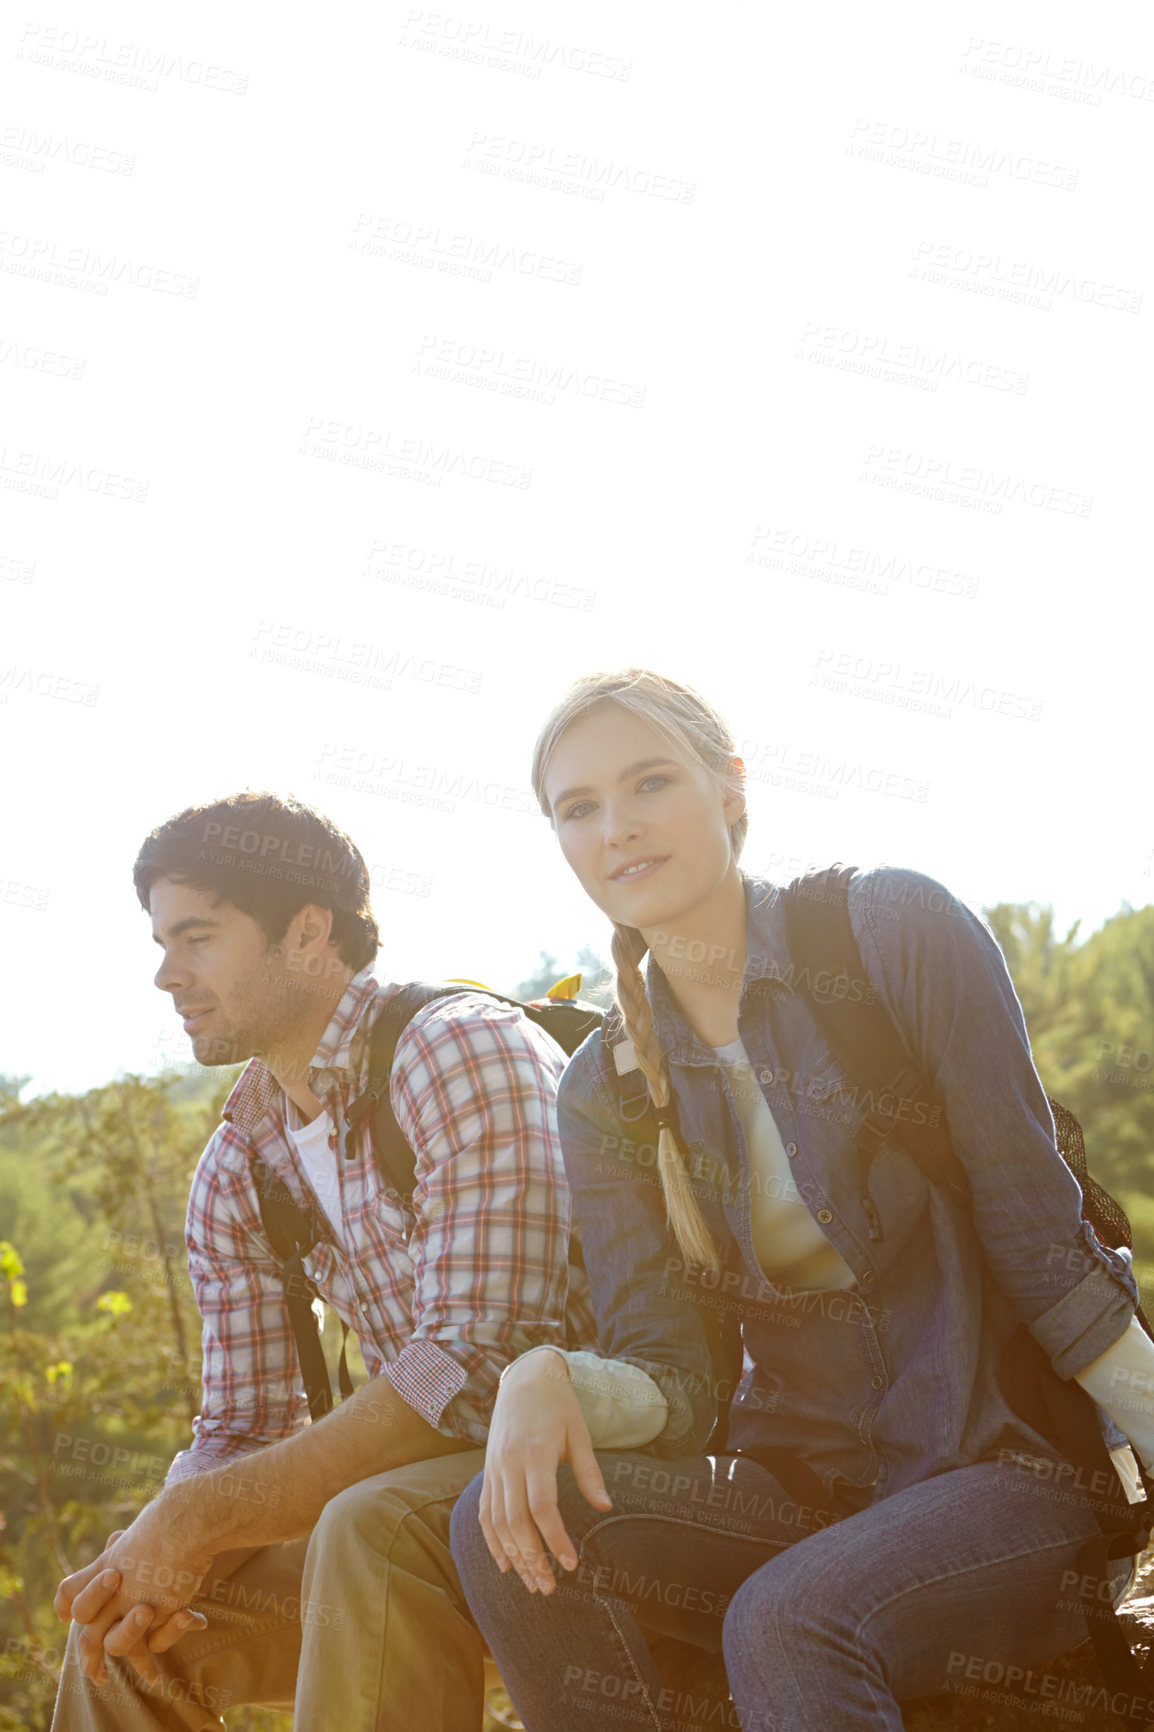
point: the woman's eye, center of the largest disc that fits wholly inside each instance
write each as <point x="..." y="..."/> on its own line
<point x="580" y="809"/>
<point x="651" y="784"/>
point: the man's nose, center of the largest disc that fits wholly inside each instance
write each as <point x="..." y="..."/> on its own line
<point x="168" y="977"/>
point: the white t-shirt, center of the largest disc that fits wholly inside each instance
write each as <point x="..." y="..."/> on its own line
<point x="790" y="1245"/>
<point x="319" y="1160"/>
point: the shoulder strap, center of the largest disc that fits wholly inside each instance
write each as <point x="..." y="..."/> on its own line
<point x="395" y="1161"/>
<point x="566" y="1021"/>
<point x="292" y="1237"/>
<point x="829" y="970"/>
<point x="640" y="1120"/>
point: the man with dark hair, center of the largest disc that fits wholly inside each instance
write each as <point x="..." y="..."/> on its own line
<point x="318" y="1570"/>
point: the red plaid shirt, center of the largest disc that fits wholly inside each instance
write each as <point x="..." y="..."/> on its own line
<point x="441" y="1299"/>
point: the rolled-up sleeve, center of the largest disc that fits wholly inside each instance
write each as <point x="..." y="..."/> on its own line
<point x="939" y="972"/>
<point x="1086" y="1320"/>
<point x="474" y="1093"/>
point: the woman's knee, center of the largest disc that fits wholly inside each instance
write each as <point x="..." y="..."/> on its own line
<point x="788" y="1599"/>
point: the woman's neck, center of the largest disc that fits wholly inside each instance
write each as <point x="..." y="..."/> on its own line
<point x="702" y="956"/>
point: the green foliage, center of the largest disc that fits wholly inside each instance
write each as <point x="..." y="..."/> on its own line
<point x="1090" y="1012"/>
<point x="99" y="1342"/>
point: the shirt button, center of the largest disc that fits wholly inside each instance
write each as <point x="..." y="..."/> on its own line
<point x="791" y="1150"/>
<point x="877" y="1382"/>
<point x="365" y="1306"/>
<point x="765" y="1076"/>
<point x="867" y="1278"/>
<point x="824" y="1216"/>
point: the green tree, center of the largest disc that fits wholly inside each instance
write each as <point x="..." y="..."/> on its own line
<point x="1089" y="1010"/>
<point x="99" y="1357"/>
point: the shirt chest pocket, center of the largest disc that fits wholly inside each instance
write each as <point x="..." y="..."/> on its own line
<point x="827" y="1091"/>
<point x="389" y="1219"/>
<point x="382" y="1263"/>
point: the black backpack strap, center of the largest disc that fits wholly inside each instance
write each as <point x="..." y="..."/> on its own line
<point x="566" y="1021"/>
<point x="828" y="970"/>
<point x="292" y="1236"/>
<point x="395" y="1161"/>
<point x="290" y="1232"/>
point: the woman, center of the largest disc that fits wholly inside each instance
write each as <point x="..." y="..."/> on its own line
<point x="880" y="1525"/>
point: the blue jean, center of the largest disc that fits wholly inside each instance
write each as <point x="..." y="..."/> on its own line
<point x="826" y="1623"/>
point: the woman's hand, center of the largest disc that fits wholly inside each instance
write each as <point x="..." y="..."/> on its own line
<point x="537" y="1424"/>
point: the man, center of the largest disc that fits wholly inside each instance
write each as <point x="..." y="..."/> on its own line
<point x="261" y="909"/>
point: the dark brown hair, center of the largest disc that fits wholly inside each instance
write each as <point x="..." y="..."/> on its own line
<point x="270" y="857"/>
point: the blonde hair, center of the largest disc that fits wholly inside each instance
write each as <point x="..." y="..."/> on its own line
<point x="697" y="734"/>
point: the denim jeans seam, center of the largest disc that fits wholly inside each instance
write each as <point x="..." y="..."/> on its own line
<point x="610" y="1521"/>
<point x="622" y="1640"/>
<point x="793" y="1679"/>
<point x="608" y="1609"/>
<point x="683" y="1522"/>
<point x="966" y="1570"/>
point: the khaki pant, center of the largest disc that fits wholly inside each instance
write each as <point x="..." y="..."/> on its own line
<point x="363" y="1625"/>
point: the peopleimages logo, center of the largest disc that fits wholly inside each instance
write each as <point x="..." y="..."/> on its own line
<point x="939" y="477"/>
<point x="131" y="63"/>
<point x="1023" y="281"/>
<point x="384" y="236"/>
<point x="442" y="571"/>
<point x="271" y="845"/>
<point x="36" y="255"/>
<point x="957" y="159"/>
<point x="438" y="786"/>
<point x="829" y="560"/>
<point x="482" y="43"/>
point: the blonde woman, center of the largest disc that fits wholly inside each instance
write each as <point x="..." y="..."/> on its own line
<point x="879" y="1524"/>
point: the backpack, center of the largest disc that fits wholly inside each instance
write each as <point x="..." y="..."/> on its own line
<point x="866" y="1043"/>
<point x="292" y="1232"/>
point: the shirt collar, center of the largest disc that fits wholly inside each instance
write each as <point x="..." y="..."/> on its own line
<point x="257" y="1090"/>
<point x="337" y="1040"/>
<point x="767" y="959"/>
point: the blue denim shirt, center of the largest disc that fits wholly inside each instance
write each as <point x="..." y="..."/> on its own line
<point x="896" y="1378"/>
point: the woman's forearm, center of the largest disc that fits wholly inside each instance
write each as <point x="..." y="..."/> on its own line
<point x="620" y="1403"/>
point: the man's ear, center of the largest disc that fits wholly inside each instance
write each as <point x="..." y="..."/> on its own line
<point x="316" y="923"/>
<point x="309" y="932"/>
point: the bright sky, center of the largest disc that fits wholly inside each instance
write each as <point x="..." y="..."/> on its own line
<point x="368" y="377"/>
